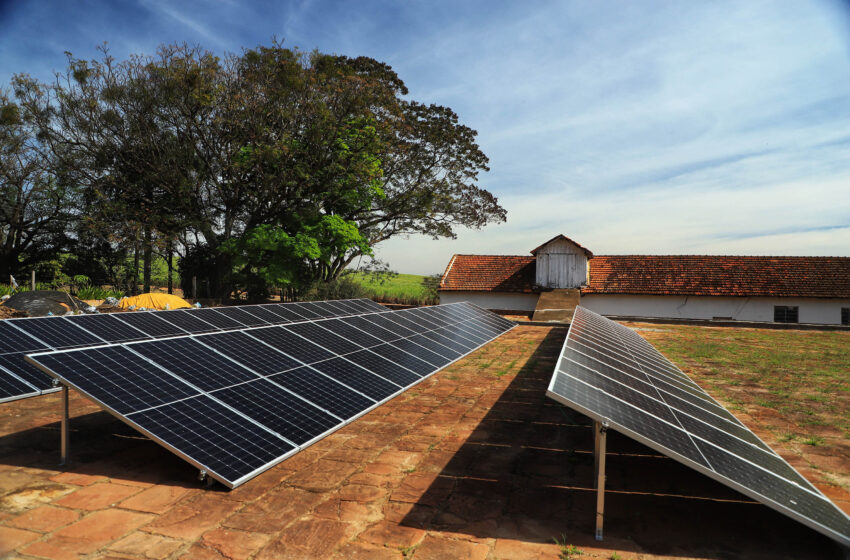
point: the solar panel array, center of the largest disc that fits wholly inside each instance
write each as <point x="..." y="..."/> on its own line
<point x="611" y="374"/>
<point x="236" y="403"/>
<point x="18" y="337"/>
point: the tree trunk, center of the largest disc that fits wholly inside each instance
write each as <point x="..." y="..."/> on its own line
<point x="134" y="289"/>
<point x="170" y="267"/>
<point x="6" y="264"/>
<point x="148" y="257"/>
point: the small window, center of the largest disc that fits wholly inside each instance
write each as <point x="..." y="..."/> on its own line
<point x="845" y="315"/>
<point x="785" y="314"/>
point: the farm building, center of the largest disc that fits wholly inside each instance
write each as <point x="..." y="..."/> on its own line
<point x="560" y="274"/>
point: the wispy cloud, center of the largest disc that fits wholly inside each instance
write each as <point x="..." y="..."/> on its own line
<point x="666" y="127"/>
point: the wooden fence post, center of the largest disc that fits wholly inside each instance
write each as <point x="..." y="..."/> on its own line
<point x="32" y="280"/>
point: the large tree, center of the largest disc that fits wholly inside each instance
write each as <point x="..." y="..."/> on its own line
<point x="346" y="143"/>
<point x="36" y="204"/>
<point x="251" y="160"/>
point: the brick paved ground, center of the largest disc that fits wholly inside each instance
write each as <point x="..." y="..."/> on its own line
<point x="473" y="463"/>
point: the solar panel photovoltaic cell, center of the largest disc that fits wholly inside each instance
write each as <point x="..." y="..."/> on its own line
<point x="13" y="387"/>
<point x="242" y="348"/>
<point x="283" y="387"/>
<point x="149" y="323"/>
<point x="403" y="358"/>
<point x="395" y="328"/>
<point x="242" y="315"/>
<point x="323" y="337"/>
<point x="18" y="378"/>
<point x="285" y="313"/>
<point x="279" y="410"/>
<point x="331" y="396"/>
<point x="13" y="339"/>
<point x="370" y="384"/>
<point x="369" y="327"/>
<point x="187" y="320"/>
<point x="194" y="362"/>
<point x="114" y="376"/>
<point x="385" y="368"/>
<point x="16" y="364"/>
<point x="108" y="327"/>
<point x="57" y="332"/>
<point x="307" y="310"/>
<point x="216" y="317"/>
<point x="417" y="351"/>
<point x="350" y="333"/>
<point x="613" y="375"/>
<point x="346" y="307"/>
<point x="263" y="314"/>
<point x="211" y="436"/>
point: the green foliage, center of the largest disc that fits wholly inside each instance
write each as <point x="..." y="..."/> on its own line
<point x="96" y="292"/>
<point x="268" y="256"/>
<point x="814" y="441"/>
<point x="36" y="203"/>
<point x="271" y="168"/>
<point x="566" y="551"/>
<point x="79" y="281"/>
<point x="430" y="285"/>
<point x="343" y="287"/>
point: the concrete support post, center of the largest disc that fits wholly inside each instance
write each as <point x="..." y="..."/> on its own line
<point x="600" y="431"/>
<point x="66" y="422"/>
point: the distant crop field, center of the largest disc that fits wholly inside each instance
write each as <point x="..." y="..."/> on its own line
<point x="793" y="385"/>
<point x="400" y="288"/>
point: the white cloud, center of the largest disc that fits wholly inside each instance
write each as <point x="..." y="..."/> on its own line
<point x="673" y="127"/>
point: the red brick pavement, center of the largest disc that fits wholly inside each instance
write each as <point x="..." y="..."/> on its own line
<point x="473" y="463"/>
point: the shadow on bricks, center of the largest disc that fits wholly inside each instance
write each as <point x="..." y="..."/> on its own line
<point x="525" y="473"/>
<point x="101" y="445"/>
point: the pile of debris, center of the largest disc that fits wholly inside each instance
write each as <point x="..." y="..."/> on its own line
<point x="40" y="303"/>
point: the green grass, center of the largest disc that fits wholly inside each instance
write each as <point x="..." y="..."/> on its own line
<point x="801" y="373"/>
<point x="566" y="551"/>
<point x="795" y="384"/>
<point x="398" y="288"/>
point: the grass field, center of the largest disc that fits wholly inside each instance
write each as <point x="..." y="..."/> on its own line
<point x="793" y="384"/>
<point x="400" y="288"/>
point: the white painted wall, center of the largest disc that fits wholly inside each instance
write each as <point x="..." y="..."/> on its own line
<point x="812" y="310"/>
<point x="493" y="300"/>
<point x="560" y="264"/>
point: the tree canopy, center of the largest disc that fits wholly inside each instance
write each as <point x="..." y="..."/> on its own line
<point x="273" y="167"/>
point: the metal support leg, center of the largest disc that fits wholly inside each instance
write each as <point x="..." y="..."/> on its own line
<point x="596" y="428"/>
<point x="599" y="440"/>
<point x="66" y="421"/>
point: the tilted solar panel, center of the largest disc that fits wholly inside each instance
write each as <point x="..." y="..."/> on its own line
<point x="611" y="374"/>
<point x="273" y="390"/>
<point x="19" y="379"/>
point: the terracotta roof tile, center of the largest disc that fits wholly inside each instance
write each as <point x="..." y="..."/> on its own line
<point x="694" y="275"/>
<point x="490" y="273"/>
<point x="826" y="277"/>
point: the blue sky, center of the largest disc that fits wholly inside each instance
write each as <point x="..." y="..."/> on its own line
<point x="632" y="127"/>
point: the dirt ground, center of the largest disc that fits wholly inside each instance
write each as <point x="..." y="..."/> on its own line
<point x="475" y="462"/>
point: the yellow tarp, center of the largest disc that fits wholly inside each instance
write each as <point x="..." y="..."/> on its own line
<point x="154" y="301"/>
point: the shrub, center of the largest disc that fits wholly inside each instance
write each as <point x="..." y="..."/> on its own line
<point x="97" y="292"/>
<point x="339" y="288"/>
